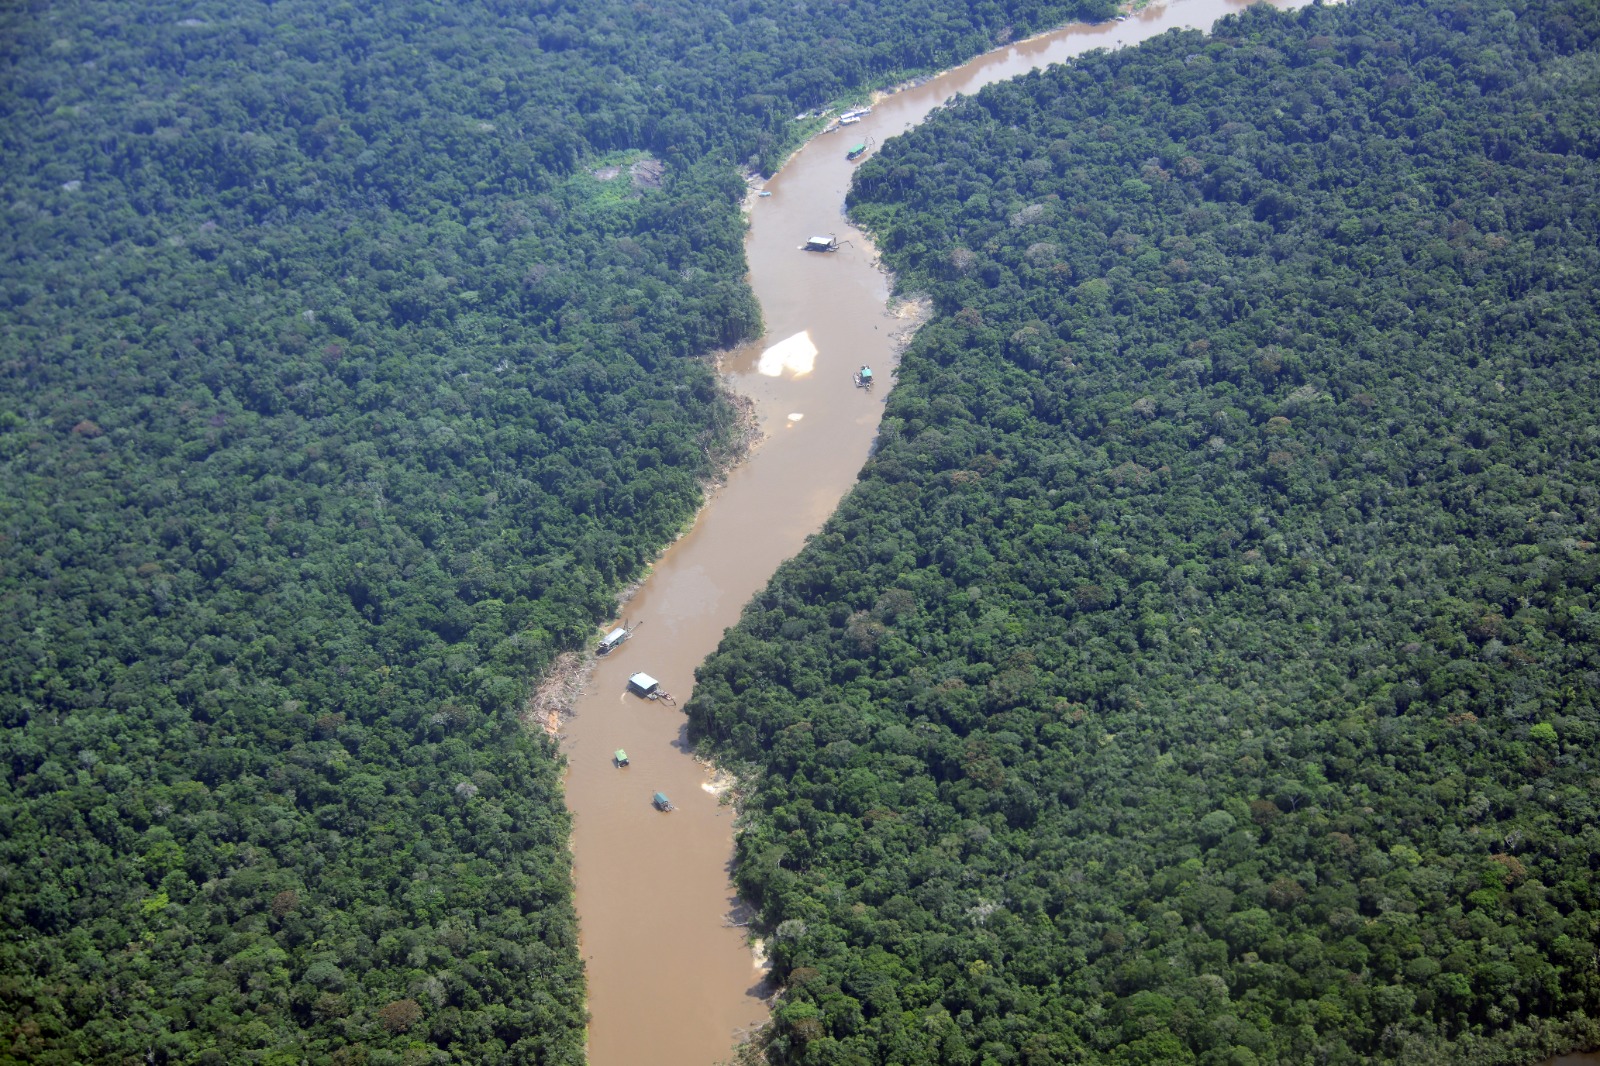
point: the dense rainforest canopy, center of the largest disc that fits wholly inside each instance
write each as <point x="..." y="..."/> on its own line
<point x="1206" y="668"/>
<point x="346" y="375"/>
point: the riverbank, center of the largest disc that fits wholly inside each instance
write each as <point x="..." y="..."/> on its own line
<point x="550" y="703"/>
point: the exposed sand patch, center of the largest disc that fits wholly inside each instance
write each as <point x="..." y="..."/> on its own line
<point x="720" y="783"/>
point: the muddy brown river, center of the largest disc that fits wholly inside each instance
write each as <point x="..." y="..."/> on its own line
<point x="672" y="980"/>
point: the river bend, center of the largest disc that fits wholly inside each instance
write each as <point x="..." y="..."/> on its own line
<point x="671" y="979"/>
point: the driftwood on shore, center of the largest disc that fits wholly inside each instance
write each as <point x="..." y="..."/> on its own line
<point x="734" y="437"/>
<point x="551" y="703"/>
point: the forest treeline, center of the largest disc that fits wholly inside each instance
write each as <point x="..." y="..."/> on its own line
<point x="1206" y="667"/>
<point x="347" y="374"/>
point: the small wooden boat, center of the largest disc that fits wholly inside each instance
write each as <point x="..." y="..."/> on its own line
<point x="661" y="802"/>
<point x="620" y="757"/>
<point x="864" y="378"/>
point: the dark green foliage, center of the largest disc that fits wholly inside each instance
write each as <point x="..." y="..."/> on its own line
<point x="1206" y="668"/>
<point x="339" y="394"/>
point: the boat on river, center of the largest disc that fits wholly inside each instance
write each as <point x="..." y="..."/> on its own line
<point x="857" y="151"/>
<point x="610" y="642"/>
<point x="647" y="687"/>
<point x="661" y="802"/>
<point x="620" y="757"/>
<point x="864" y="378"/>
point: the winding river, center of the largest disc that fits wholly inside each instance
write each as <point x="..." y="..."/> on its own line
<point x="672" y="980"/>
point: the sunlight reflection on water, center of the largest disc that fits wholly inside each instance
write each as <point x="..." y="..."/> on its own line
<point x="796" y="354"/>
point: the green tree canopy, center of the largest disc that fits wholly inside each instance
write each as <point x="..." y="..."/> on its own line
<point x="1205" y="668"/>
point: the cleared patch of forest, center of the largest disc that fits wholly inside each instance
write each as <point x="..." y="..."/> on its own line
<point x="1206" y="667"/>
